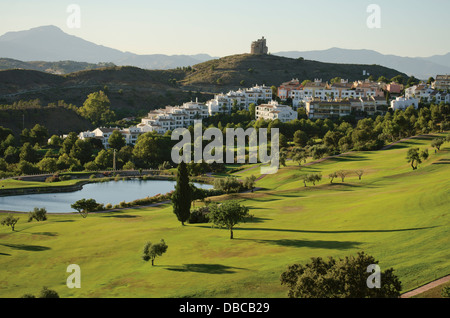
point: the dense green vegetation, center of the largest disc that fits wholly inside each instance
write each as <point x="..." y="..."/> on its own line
<point x="30" y="153"/>
<point x="342" y="278"/>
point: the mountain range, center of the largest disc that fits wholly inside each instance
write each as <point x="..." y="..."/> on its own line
<point x="420" y="67"/>
<point x="51" y="44"/>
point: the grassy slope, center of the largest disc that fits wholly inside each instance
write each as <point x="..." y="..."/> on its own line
<point x="398" y="215"/>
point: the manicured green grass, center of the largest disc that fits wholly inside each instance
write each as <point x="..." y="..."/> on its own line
<point x="398" y="215"/>
<point x="19" y="184"/>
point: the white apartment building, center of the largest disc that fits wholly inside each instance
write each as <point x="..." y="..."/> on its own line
<point x="273" y="111"/>
<point x="335" y="91"/>
<point x="318" y="109"/>
<point x="442" y="82"/>
<point x="419" y="91"/>
<point x="173" y="117"/>
<point x="223" y="103"/>
<point x="404" y="102"/>
<point x="130" y="134"/>
<point x="369" y="105"/>
<point x="439" y="97"/>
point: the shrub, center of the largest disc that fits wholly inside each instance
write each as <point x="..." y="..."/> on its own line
<point x="54" y="178"/>
<point x="199" y="215"/>
<point x="65" y="177"/>
<point x="228" y="184"/>
<point x="48" y="293"/>
<point x="123" y="204"/>
<point x="39" y="214"/>
<point x="446" y="292"/>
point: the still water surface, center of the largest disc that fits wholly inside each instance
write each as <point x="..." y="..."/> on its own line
<point x="112" y="192"/>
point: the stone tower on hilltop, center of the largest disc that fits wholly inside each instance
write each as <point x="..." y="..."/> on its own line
<point x="259" y="47"/>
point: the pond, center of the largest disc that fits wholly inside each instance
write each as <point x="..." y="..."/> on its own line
<point x="112" y="192"/>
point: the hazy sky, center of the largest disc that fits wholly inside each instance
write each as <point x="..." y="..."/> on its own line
<point x="408" y="27"/>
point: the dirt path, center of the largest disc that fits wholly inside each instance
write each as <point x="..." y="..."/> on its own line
<point x="401" y="140"/>
<point x="426" y="287"/>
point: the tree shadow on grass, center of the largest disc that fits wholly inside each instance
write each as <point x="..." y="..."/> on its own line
<point x="334" y="232"/>
<point x="205" y="268"/>
<point x="122" y="216"/>
<point x="46" y="233"/>
<point x="442" y="162"/>
<point x="25" y="247"/>
<point x="339" y="245"/>
<point x="257" y="220"/>
<point x="5" y="254"/>
<point x="64" y="221"/>
<point x="348" y="158"/>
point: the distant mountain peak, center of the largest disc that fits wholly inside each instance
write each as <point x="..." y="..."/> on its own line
<point x="13" y="35"/>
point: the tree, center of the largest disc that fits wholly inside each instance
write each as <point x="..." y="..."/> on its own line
<point x="55" y="141"/>
<point x="283" y="143"/>
<point x="424" y="154"/>
<point x="342" y="174"/>
<point x="383" y="79"/>
<point x="331" y="138"/>
<point x="39" y="134"/>
<point x="96" y="108"/>
<point x="84" y="206"/>
<point x="300" y="156"/>
<point x="227" y="214"/>
<point x="152" y="149"/>
<point x="360" y="173"/>
<point x="300" y="138"/>
<point x="25" y="136"/>
<point x="26" y="168"/>
<point x="252" y="110"/>
<point x="10" y="220"/>
<point x="48" y="293"/>
<point x="313" y="178"/>
<point x="437" y="143"/>
<point x="11" y="155"/>
<point x="332" y="176"/>
<point x="82" y="150"/>
<point x="68" y="143"/>
<point x="413" y="157"/>
<point x="116" y="140"/>
<point x="28" y="153"/>
<point x="398" y="79"/>
<point x="104" y="159"/>
<point x="249" y="182"/>
<point x="182" y="196"/>
<point x="151" y="251"/>
<point x="48" y="165"/>
<point x="65" y="162"/>
<point x="339" y="278"/>
<point x="39" y="214"/>
<point x="319" y="151"/>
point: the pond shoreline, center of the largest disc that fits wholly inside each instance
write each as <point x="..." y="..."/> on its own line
<point x="96" y="212"/>
<point x="74" y="187"/>
<point x="78" y="186"/>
